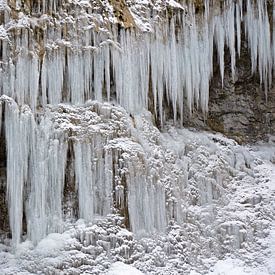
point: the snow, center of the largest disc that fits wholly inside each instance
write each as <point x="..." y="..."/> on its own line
<point x="231" y="266"/>
<point x="52" y="244"/>
<point x="119" y="268"/>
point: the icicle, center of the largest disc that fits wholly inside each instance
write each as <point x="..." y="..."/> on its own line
<point x="144" y="74"/>
<point x="93" y="170"/>
<point x="238" y="25"/>
<point x="102" y="190"/>
<point x="173" y="81"/>
<point x="220" y="37"/>
<point x="259" y="40"/>
<point x="56" y="167"/>
<point x="107" y="76"/>
<point x="17" y="129"/>
<point x="76" y="82"/>
<point x="154" y="71"/>
<point x="251" y="32"/>
<point x="33" y="85"/>
<point x="52" y="77"/>
<point x="21" y="79"/>
<point x="146" y="202"/>
<point x="37" y="202"/>
<point x="84" y="180"/>
<point x="46" y="168"/>
<point x="108" y="182"/>
<point x="173" y="65"/>
<point x="194" y="52"/>
<point x="229" y="20"/>
<point x="87" y="74"/>
<point x="98" y="59"/>
<point x="206" y="67"/>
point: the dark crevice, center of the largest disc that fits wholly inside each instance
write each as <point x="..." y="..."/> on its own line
<point x="4" y="217"/>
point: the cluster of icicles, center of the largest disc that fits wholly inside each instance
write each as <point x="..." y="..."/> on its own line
<point x="171" y="66"/>
<point x="37" y="158"/>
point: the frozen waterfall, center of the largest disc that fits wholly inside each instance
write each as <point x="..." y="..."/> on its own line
<point x="52" y="67"/>
<point x="105" y="169"/>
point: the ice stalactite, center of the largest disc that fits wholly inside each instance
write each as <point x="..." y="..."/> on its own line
<point x="239" y="19"/>
<point x="146" y="205"/>
<point x="75" y="77"/>
<point x="56" y="165"/>
<point x="84" y="180"/>
<point x="259" y="39"/>
<point x="46" y="178"/>
<point x="139" y="195"/>
<point x="1" y="110"/>
<point x="93" y="178"/>
<point x="220" y="32"/>
<point x="21" y="81"/>
<point x="40" y="6"/>
<point x="130" y="69"/>
<point x="168" y="67"/>
<point x="229" y="22"/>
<point x="17" y="130"/>
<point x="52" y="76"/>
<point x="103" y="180"/>
<point x="35" y="163"/>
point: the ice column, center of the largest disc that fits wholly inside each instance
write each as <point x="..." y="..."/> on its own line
<point x="84" y="180"/>
<point x="17" y="129"/>
<point x="259" y="40"/>
<point x="146" y="202"/>
<point x="48" y="152"/>
<point x="93" y="170"/>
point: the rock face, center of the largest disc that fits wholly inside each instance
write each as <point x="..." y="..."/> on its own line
<point x="241" y="109"/>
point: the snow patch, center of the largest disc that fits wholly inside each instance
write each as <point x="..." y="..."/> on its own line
<point x="119" y="268"/>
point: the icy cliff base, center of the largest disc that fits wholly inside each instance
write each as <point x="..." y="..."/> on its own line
<point x="219" y="204"/>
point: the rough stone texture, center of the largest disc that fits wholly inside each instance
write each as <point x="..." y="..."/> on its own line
<point x="240" y="109"/>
